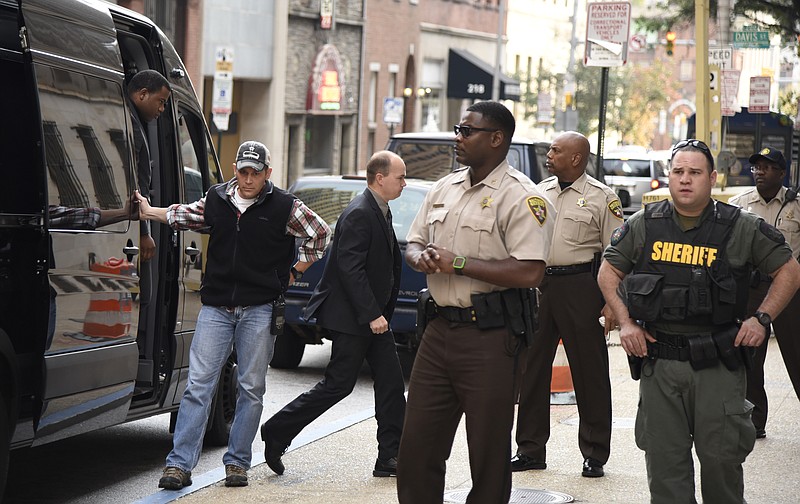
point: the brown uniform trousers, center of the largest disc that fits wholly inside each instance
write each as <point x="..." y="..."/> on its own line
<point x="786" y="332"/>
<point x="569" y="310"/>
<point x="459" y="369"/>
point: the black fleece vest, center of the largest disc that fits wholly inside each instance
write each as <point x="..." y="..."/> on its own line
<point x="249" y="254"/>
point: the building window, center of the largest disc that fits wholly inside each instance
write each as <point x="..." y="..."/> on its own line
<point x="373" y="98"/>
<point x="687" y="70"/>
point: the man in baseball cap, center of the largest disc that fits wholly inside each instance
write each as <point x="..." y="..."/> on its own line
<point x="770" y="154"/>
<point x="253" y="154"/>
<point x="261" y="223"/>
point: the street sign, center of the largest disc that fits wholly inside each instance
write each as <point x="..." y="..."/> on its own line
<point x="607" y="32"/>
<point x="222" y="94"/>
<point x="392" y="111"/>
<point x="751" y="38"/>
<point x="759" y="95"/>
<point x="638" y="43"/>
<point x="722" y="56"/>
<point x="730" y="91"/>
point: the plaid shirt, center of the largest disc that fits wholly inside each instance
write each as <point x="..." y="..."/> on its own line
<point x="62" y="217"/>
<point x="303" y="223"/>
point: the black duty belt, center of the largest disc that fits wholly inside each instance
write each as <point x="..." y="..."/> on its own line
<point x="669" y="346"/>
<point x="455" y="314"/>
<point x="573" y="269"/>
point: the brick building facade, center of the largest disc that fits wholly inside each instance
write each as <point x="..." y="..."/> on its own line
<point x="408" y="55"/>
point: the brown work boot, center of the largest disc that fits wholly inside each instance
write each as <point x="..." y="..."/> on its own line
<point x="174" y="478"/>
<point x="235" y="476"/>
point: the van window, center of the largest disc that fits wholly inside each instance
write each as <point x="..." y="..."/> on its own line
<point x="83" y="118"/>
<point x="196" y="155"/>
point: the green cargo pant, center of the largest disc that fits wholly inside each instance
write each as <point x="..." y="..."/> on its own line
<point x="679" y="406"/>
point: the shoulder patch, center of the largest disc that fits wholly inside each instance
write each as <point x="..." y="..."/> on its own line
<point x="619" y="233"/>
<point x="615" y="207"/>
<point x="538" y="208"/>
<point x="770" y="232"/>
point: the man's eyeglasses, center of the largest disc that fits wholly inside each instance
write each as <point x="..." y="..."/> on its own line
<point x="466" y="131"/>
<point x="697" y="144"/>
<point x="764" y="168"/>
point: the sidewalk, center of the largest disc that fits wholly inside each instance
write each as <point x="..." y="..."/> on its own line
<point x="337" y="469"/>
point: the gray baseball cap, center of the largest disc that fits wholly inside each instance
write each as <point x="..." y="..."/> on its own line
<point x="252" y="154"/>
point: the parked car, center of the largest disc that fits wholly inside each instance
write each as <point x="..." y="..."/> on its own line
<point x="329" y="196"/>
<point x="430" y="156"/>
<point x="635" y="171"/>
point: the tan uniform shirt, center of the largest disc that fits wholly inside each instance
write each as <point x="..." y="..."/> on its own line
<point x="788" y="222"/>
<point x="588" y="212"/>
<point x="502" y="216"/>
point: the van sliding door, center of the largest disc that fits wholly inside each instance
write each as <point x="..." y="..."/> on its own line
<point x="91" y="353"/>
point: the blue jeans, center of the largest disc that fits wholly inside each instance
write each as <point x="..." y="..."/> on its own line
<point x="218" y="330"/>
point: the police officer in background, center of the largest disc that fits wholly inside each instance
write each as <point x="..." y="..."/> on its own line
<point x="676" y="275"/>
<point x="571" y="302"/>
<point x="778" y="206"/>
<point x="482" y="235"/>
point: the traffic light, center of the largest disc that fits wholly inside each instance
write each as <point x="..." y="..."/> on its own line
<point x="670" y="42"/>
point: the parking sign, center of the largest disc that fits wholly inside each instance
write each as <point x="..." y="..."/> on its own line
<point x="608" y="27"/>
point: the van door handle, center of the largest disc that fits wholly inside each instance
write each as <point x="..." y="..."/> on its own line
<point x="130" y="250"/>
<point x="192" y="251"/>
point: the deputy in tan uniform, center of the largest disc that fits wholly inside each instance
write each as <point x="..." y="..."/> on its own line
<point x="778" y="206"/>
<point x="482" y="233"/>
<point x="571" y="302"/>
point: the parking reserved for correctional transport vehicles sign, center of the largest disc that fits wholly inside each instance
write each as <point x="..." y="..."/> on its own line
<point x="608" y="27"/>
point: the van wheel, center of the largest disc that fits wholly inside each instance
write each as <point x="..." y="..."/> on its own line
<point x="289" y="349"/>
<point x="5" y="446"/>
<point x="223" y="409"/>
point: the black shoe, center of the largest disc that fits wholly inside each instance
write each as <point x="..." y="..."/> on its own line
<point x="761" y="433"/>
<point x="523" y="462"/>
<point x="273" y="452"/>
<point x="384" y="468"/>
<point x="174" y="479"/>
<point x="592" y="468"/>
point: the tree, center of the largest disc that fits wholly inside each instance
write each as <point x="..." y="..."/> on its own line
<point x="641" y="94"/>
<point x="544" y="81"/>
<point x="785" y="13"/>
<point x="636" y="95"/>
<point x="787" y="102"/>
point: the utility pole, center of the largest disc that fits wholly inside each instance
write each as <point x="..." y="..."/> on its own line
<point x="501" y="14"/>
<point x="702" y="90"/>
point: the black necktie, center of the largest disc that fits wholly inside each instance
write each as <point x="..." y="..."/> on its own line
<point x="391" y="229"/>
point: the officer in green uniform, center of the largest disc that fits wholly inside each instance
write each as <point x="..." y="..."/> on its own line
<point x="676" y="275"/>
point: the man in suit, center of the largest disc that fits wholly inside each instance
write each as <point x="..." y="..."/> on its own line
<point x="354" y="301"/>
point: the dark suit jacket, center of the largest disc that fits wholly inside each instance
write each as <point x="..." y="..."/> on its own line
<point x="362" y="274"/>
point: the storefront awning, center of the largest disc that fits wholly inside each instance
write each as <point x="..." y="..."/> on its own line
<point x="468" y="76"/>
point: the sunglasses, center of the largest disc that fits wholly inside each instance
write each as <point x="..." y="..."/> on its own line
<point x="697" y="144"/>
<point x="466" y="131"/>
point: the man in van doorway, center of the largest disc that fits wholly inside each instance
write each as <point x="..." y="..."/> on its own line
<point x="252" y="228"/>
<point x="148" y="92"/>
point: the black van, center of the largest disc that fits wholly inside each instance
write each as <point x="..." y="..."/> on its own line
<point x="75" y="354"/>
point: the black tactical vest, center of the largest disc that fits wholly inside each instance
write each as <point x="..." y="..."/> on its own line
<point x="685" y="277"/>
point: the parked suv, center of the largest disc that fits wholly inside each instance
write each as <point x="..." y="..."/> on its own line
<point x="328" y="196"/>
<point x="75" y="354"/>
<point x="635" y="171"/>
<point x="430" y="156"/>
